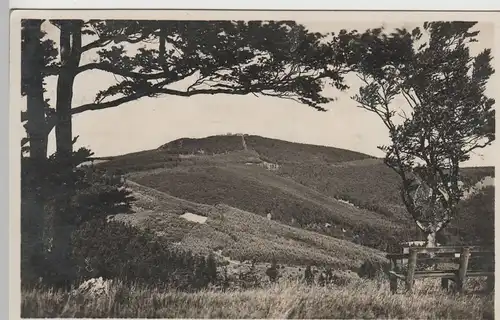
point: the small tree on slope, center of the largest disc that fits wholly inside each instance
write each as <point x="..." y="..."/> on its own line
<point x="446" y="114"/>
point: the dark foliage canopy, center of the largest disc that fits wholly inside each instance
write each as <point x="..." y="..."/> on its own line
<point x="272" y="58"/>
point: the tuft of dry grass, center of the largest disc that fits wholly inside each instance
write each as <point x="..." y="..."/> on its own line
<point x="289" y="299"/>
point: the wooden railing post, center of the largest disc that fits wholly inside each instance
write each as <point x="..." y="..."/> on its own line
<point x="444" y="283"/>
<point x="490" y="284"/>
<point x="445" y="255"/>
<point x="412" y="264"/>
<point x="392" y="278"/>
<point x="462" y="270"/>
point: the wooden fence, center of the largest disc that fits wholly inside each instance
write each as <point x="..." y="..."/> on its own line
<point x="443" y="259"/>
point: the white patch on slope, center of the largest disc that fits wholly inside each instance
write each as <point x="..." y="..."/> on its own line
<point x="194" y="217"/>
<point x="269" y="166"/>
<point x="347" y="202"/>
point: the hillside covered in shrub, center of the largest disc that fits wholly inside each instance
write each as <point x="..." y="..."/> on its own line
<point x="333" y="191"/>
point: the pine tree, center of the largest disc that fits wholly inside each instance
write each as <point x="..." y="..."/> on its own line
<point x="93" y="195"/>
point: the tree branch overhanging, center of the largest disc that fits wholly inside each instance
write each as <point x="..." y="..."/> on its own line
<point x="105" y="40"/>
<point x="118" y="71"/>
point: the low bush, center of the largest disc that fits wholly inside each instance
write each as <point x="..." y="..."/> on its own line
<point x="371" y="269"/>
<point x="56" y="199"/>
<point x="116" y="250"/>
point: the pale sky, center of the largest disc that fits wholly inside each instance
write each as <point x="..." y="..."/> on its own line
<point x="150" y="122"/>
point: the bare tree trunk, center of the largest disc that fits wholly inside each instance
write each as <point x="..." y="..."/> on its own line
<point x="431" y="240"/>
<point x="70" y="49"/>
<point x="33" y="201"/>
<point x="432" y="243"/>
<point x="33" y="59"/>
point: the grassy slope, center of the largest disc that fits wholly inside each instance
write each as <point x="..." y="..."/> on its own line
<point x="367" y="183"/>
<point x="257" y="190"/>
<point x="221" y="175"/>
<point x="217" y="169"/>
<point x="271" y="150"/>
<point x="240" y="235"/>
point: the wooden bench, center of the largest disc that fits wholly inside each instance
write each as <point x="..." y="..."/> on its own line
<point x="439" y="255"/>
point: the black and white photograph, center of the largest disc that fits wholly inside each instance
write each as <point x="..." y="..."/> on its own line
<point x="254" y="165"/>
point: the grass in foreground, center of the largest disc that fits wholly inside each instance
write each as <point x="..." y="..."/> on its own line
<point x="359" y="299"/>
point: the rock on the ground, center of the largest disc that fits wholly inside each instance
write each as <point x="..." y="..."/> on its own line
<point x="93" y="287"/>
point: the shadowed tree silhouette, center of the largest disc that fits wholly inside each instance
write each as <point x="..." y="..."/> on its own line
<point x="446" y="117"/>
<point x="272" y="58"/>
